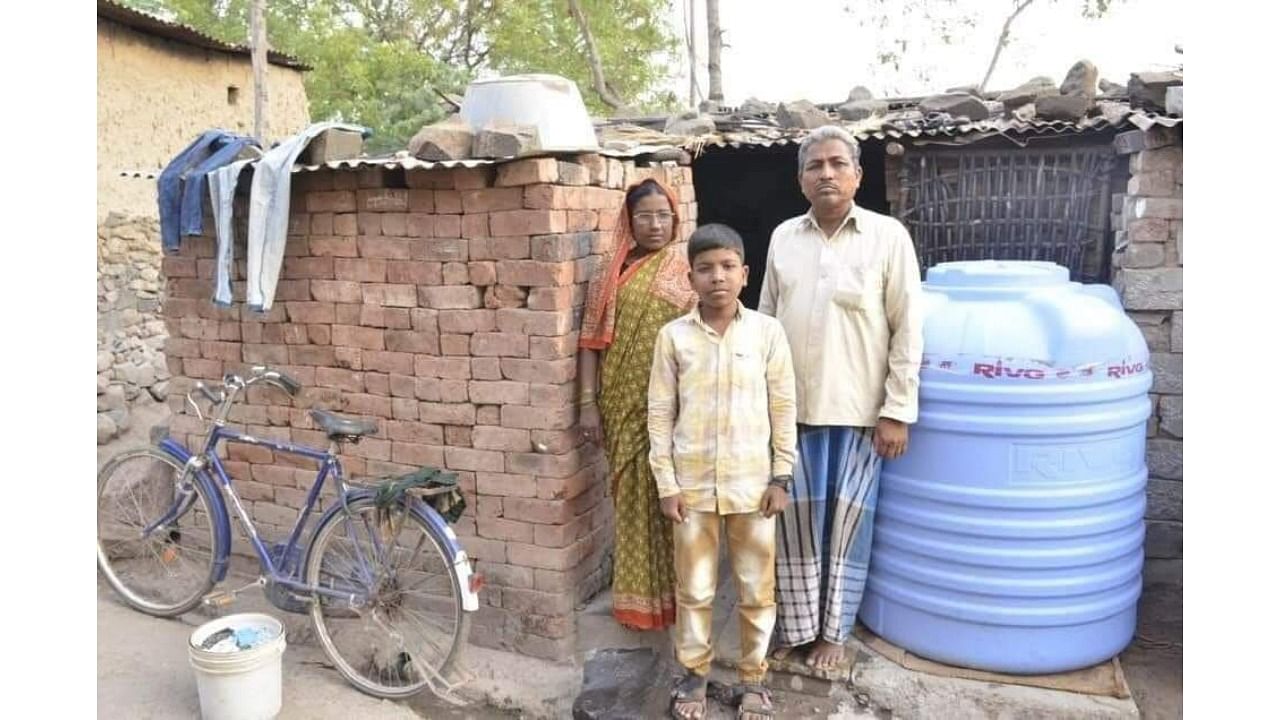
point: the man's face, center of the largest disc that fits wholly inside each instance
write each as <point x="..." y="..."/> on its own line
<point x="717" y="276"/>
<point x="829" y="178"/>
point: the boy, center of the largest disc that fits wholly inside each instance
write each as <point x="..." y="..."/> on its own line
<point x="722" y="416"/>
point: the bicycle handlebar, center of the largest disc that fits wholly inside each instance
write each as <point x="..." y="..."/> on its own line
<point x="233" y="384"/>
<point x="277" y="378"/>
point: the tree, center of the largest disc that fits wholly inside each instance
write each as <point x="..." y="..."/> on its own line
<point x="901" y="22"/>
<point x="1092" y="8"/>
<point x="598" y="81"/>
<point x="714" y="38"/>
<point x="634" y="44"/>
<point x="380" y="63"/>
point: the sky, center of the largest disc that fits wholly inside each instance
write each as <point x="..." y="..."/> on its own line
<point x="819" y="49"/>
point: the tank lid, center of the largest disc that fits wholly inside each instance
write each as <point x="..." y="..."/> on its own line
<point x="997" y="274"/>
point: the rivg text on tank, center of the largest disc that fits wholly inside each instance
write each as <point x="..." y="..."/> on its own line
<point x="999" y="369"/>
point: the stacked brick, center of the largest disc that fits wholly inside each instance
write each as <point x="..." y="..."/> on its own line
<point x="446" y="304"/>
<point x="1148" y="275"/>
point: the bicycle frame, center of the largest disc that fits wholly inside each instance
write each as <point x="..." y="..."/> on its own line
<point x="201" y="465"/>
<point x="219" y="486"/>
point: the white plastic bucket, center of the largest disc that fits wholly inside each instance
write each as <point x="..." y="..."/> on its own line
<point x="239" y="684"/>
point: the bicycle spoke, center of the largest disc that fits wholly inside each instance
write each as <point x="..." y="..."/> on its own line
<point x="407" y="633"/>
<point x="168" y="570"/>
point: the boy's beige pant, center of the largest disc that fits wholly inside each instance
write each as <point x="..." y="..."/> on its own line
<point x="751" y="540"/>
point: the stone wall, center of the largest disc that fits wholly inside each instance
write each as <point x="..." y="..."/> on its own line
<point x="155" y="96"/>
<point x="1148" y="275"/>
<point x="131" y="334"/>
<point x="446" y="304"/>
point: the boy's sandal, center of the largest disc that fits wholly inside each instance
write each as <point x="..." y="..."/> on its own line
<point x="755" y="701"/>
<point x="692" y="688"/>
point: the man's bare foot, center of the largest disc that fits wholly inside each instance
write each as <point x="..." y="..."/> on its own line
<point x="782" y="652"/>
<point x="825" y="655"/>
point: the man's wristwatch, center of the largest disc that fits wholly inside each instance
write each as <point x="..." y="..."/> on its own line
<point x="782" y="481"/>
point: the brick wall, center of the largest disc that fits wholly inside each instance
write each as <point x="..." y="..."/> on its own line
<point x="1147" y="272"/>
<point x="446" y="304"/>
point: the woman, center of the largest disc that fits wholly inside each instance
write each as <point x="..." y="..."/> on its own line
<point x="644" y="286"/>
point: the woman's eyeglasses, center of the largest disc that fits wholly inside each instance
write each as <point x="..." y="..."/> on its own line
<point x="662" y="218"/>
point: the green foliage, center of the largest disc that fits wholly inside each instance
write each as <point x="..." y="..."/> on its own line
<point x="380" y="63"/>
<point x="541" y="36"/>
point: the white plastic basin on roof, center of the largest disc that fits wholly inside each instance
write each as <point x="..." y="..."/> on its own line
<point x="548" y="102"/>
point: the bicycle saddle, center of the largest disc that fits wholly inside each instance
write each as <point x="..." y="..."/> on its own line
<point x="338" y="427"/>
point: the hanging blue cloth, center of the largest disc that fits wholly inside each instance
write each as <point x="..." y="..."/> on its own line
<point x="190" y="164"/>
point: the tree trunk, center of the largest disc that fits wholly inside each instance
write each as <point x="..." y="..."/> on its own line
<point x="598" y="81"/>
<point x="1000" y="43"/>
<point x="690" y="38"/>
<point x="715" y="92"/>
<point x="258" y="45"/>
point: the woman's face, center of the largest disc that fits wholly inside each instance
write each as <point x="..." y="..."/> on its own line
<point x="651" y="221"/>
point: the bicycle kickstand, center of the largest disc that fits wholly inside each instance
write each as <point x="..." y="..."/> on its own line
<point x="223" y="598"/>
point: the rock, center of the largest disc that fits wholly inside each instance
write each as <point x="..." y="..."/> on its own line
<point x="862" y="109"/>
<point x="1113" y="112"/>
<point x="105" y="359"/>
<point x="1111" y="89"/>
<point x="1026" y="113"/>
<point x="971" y="90"/>
<point x="449" y="139"/>
<point x="112" y="399"/>
<point x="1148" y="89"/>
<point x="1027" y="92"/>
<point x="859" y="94"/>
<point x="1173" y="100"/>
<point x="106" y="428"/>
<point x="1081" y="81"/>
<point x="801" y="114"/>
<point x="119" y="417"/>
<point x="956" y="105"/>
<point x="104" y="381"/>
<point x="1061" y="107"/>
<point x="753" y="106"/>
<point x="141" y="375"/>
<point x="622" y="683"/>
<point x="690" y="124"/>
<point x="505" y="140"/>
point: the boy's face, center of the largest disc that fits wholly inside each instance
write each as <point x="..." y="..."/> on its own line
<point x="718" y="276"/>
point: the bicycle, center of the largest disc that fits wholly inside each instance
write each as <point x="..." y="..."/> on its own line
<point x="388" y="587"/>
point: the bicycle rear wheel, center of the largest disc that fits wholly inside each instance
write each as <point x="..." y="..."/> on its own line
<point x="159" y="565"/>
<point x="406" y="628"/>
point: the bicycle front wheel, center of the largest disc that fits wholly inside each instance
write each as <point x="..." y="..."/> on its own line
<point x="401" y="627"/>
<point x="155" y="542"/>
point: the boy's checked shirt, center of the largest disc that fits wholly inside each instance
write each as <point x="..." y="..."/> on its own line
<point x="722" y="411"/>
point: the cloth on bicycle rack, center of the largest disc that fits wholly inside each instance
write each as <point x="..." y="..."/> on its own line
<point x="449" y="504"/>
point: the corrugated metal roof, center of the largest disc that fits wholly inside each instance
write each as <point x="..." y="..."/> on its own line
<point x="407" y="162"/>
<point x="392" y="162"/>
<point x="152" y="25"/>
<point x="905" y="124"/>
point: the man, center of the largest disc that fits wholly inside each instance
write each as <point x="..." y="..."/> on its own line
<point x="845" y="284"/>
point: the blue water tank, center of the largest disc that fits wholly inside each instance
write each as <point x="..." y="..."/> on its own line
<point x="1009" y="537"/>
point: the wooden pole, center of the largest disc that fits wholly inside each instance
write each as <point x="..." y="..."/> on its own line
<point x="258" y="44"/>
<point x="714" y="43"/>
